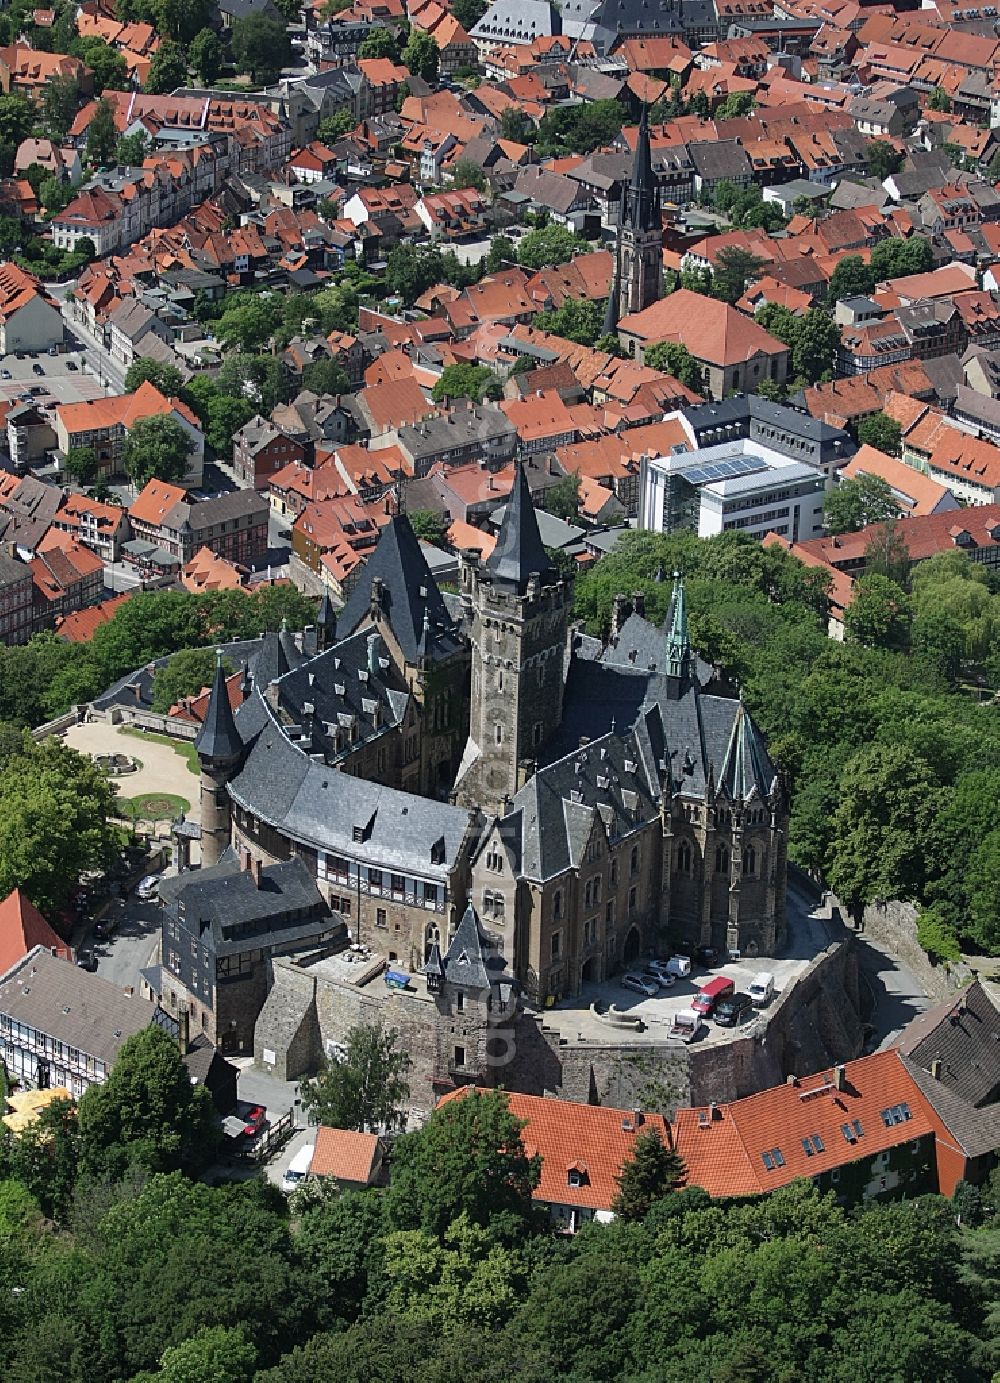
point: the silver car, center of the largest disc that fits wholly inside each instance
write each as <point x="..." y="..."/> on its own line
<point x="641" y="985"/>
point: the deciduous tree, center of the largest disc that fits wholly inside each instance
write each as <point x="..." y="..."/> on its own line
<point x="157" y="448"/>
<point x="365" y="1089"/>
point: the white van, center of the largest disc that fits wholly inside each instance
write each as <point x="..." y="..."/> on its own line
<point x="298" y="1168"/>
<point x="761" y="989"/>
<point x="679" y="966"/>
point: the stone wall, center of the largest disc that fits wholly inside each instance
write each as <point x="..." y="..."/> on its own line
<point x="893" y="925"/>
<point x="813" y="1024"/>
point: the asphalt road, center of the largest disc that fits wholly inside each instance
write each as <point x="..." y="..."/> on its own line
<point x="133" y="946"/>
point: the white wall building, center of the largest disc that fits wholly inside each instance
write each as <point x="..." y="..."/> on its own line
<point x="739" y="485"/>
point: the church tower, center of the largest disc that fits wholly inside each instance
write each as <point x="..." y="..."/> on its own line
<point x="518" y="613"/>
<point x="220" y="749"/>
<point x="639" y="272"/>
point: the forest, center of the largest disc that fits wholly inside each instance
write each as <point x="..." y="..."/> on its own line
<point x="117" y="1263"/>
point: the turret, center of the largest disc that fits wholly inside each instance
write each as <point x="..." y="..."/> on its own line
<point x="219" y="748"/>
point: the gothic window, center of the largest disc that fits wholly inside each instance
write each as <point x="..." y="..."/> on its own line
<point x="597" y="889"/>
<point x="684" y="858"/>
<point x="721" y="860"/>
<point x="749" y="860"/>
<point x="634" y="863"/>
<point x="556" y="944"/>
<point x="586" y="894"/>
<point x="494" y="861"/>
<point x="499" y="734"/>
<point x="557" y="903"/>
<point x="536" y="733"/>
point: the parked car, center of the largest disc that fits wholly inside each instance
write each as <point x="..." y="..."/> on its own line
<point x="710" y="994"/>
<point x="707" y="955"/>
<point x="6" y="374"/>
<point x="641" y="985"/>
<point x="733" y="1009"/>
<point x="762" y="989"/>
<point x="86" y="959"/>
<point x="106" y="927"/>
<point x="147" y="888"/>
<point x="660" y="978"/>
<point x="686" y="1025"/>
<point x="38" y="369"/>
<point x="255" y="1121"/>
<point x="72" y="365"/>
<point x="678" y="966"/>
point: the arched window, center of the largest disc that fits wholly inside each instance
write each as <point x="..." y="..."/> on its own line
<point x="749" y="860"/>
<point x="684" y="857"/>
<point x="597" y="889"/>
<point x="557" y="901"/>
<point x="586" y="896"/>
<point x="499" y="734"/>
<point x="721" y="860"/>
<point x="634" y="865"/>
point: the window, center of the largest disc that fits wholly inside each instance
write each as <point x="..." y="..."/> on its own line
<point x="586" y="895"/>
<point x="684" y="857"/>
<point x="459" y="1003"/>
<point x="397" y="883"/>
<point x="773" y="1158"/>
<point x="614" y="871"/>
<point x="494" y="861"/>
<point x="634" y="862"/>
<point x="375" y="878"/>
<point x="573" y="1177"/>
<point x="555" y="945"/>
<point x="380" y="918"/>
<point x="609" y="913"/>
<point x="557" y="903"/>
<point x="536" y="733"/>
<point x="633" y="899"/>
<point x="499" y="734"/>
<point x="460" y="1056"/>
<point x="749" y="860"/>
<point x="721" y="860"/>
<point x="895" y="1114"/>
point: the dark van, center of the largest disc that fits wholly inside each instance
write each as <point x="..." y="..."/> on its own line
<point x="733" y="1009"/>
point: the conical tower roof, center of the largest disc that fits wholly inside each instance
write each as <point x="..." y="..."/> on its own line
<point x="218" y="737"/>
<point x="746" y="768"/>
<point x="642" y="200"/>
<point x="519" y="551"/>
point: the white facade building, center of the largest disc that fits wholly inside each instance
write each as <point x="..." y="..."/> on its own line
<point x="739" y="485"/>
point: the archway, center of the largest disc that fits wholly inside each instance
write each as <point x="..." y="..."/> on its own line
<point x="633" y="944"/>
<point x="591" y="971"/>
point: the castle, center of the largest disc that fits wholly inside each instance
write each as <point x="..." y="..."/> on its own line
<point x="423" y="751"/>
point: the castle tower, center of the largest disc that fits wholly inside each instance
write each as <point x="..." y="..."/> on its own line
<point x="639" y="274"/>
<point x="219" y="748"/>
<point x="519" y="611"/>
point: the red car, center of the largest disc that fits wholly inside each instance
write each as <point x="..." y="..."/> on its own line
<point x="255" y="1121"/>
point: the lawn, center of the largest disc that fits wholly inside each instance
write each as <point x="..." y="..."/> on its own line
<point x="155" y="806"/>
<point x="184" y="748"/>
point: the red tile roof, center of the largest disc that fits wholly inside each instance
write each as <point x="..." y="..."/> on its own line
<point x="344" y="1154"/>
<point x="22" y="927"/>
<point x="592" y="1139"/>
<point x="727" y="1151"/>
<point x="710" y="329"/>
<point x="79" y="626"/>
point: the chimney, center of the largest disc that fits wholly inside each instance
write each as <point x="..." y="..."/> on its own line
<point x="840" y="1077"/>
<point x="636" y="1116"/>
<point x="619" y="614"/>
<point x="639" y="602"/>
<point x="791" y="1080"/>
<point x="714" y="1112"/>
<point x="936" y="1068"/>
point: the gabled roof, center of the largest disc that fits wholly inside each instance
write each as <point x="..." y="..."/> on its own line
<point x="963" y="1036"/>
<point x="22" y="927"/>
<point x="410" y="594"/>
<point x="344" y="1154"/>
<point x="591" y="1143"/>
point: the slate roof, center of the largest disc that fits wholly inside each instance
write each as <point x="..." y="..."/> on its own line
<point x="963" y="1034"/>
<point x="411" y="594"/>
<point x="230" y="913"/>
<point x="519" y="551"/>
<point x="345" y="693"/>
<point x="218" y="737"/>
<point x="471" y="960"/>
<point x="321" y="807"/>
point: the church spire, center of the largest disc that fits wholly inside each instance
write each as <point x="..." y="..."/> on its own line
<point x="519" y="551"/>
<point x="678" y="638"/>
<point x="642" y="200"/>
